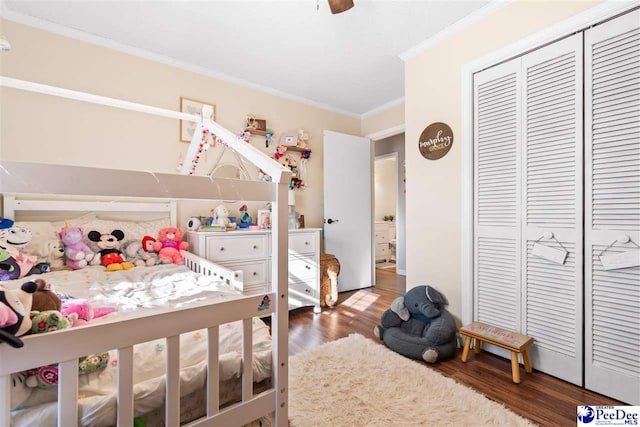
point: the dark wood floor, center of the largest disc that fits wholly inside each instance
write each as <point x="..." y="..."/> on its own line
<point x="543" y="399"/>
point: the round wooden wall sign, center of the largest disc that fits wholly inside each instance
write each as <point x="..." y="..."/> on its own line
<point x="435" y="141"/>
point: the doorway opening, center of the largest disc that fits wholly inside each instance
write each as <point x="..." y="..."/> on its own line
<point x="389" y="205"/>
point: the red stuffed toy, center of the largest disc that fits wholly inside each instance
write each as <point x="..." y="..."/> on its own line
<point x="169" y="244"/>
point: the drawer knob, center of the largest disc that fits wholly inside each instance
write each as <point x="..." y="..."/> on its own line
<point x="306" y="243"/>
<point x="222" y="248"/>
<point x="307" y="267"/>
<point x="307" y="291"/>
<point x="255" y="246"/>
<point x="255" y="274"/>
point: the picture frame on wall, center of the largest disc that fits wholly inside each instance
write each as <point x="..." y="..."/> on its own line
<point x="191" y="106"/>
<point x="264" y="219"/>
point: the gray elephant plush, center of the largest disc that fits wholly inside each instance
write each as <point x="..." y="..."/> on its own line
<point x="418" y="326"/>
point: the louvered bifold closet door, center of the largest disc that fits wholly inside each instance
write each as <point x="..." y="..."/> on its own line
<point x="497" y="196"/>
<point x="612" y="207"/>
<point x="552" y="163"/>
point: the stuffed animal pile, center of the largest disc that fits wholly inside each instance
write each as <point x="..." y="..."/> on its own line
<point x="73" y="249"/>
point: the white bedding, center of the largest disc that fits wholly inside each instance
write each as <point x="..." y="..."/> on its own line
<point x="132" y="292"/>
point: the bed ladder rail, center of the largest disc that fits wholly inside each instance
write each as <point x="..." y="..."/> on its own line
<point x="208" y="268"/>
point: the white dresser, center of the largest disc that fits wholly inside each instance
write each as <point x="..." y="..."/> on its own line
<point x="250" y="252"/>
<point x="385" y="232"/>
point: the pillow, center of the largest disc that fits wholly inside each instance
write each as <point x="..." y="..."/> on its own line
<point x="43" y="231"/>
<point x="132" y="229"/>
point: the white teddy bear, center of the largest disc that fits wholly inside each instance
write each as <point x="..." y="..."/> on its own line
<point x="51" y="252"/>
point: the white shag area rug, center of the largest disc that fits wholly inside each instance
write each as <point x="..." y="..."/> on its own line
<point x="355" y="381"/>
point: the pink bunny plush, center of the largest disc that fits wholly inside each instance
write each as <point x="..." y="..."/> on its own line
<point x="84" y="309"/>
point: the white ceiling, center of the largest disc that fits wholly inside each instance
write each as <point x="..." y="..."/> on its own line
<point x="348" y="62"/>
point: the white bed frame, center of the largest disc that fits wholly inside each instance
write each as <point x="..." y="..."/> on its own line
<point x="65" y="347"/>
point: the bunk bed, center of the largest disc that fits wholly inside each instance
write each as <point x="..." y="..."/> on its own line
<point x="206" y="316"/>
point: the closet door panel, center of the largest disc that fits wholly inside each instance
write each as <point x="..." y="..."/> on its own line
<point x="612" y="201"/>
<point x="552" y="206"/>
<point x="497" y="196"/>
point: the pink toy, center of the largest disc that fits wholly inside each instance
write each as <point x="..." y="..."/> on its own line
<point x="77" y="253"/>
<point x="84" y="309"/>
<point x="169" y="244"/>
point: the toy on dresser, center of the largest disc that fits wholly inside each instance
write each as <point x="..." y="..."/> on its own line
<point x="221" y="214"/>
<point x="169" y="245"/>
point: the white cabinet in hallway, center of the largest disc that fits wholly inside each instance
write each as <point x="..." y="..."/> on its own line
<point x="385" y="233"/>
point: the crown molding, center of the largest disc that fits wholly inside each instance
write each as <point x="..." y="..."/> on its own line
<point x="454" y="28"/>
<point x="31" y="21"/>
<point x="383" y="107"/>
<point x="386" y="133"/>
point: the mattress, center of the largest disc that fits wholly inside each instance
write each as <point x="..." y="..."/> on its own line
<point x="135" y="292"/>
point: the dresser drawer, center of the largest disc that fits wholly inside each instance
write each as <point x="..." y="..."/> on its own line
<point x="252" y="272"/>
<point x="255" y="289"/>
<point x="301" y="243"/>
<point x="301" y="268"/>
<point x="299" y="289"/>
<point x="237" y="247"/>
<point x="382" y="250"/>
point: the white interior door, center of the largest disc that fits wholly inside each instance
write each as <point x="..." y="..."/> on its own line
<point x="612" y="214"/>
<point x="348" y="207"/>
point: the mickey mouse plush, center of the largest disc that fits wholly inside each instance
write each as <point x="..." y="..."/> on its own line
<point x="110" y="255"/>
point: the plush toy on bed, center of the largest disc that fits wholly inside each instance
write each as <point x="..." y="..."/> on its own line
<point x="134" y="253"/>
<point x="44" y="298"/>
<point x="51" y="320"/>
<point x="51" y="253"/>
<point x="9" y="268"/>
<point x="14" y="313"/>
<point x="109" y="244"/>
<point x="418" y="326"/>
<point x="84" y="309"/>
<point x="147" y="246"/>
<point x="169" y="244"/>
<point x="14" y="239"/>
<point x="47" y="376"/>
<point x="76" y="252"/>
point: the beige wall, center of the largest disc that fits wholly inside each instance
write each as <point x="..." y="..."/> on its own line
<point x="385" y="187"/>
<point x="48" y="129"/>
<point x="433" y="93"/>
<point x="383" y="120"/>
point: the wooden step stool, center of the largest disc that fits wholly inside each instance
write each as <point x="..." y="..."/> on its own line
<point x="514" y="342"/>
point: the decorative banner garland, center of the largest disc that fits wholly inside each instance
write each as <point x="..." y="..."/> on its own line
<point x="204" y="146"/>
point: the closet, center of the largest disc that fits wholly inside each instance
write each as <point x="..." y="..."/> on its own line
<point x="557" y="186"/>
